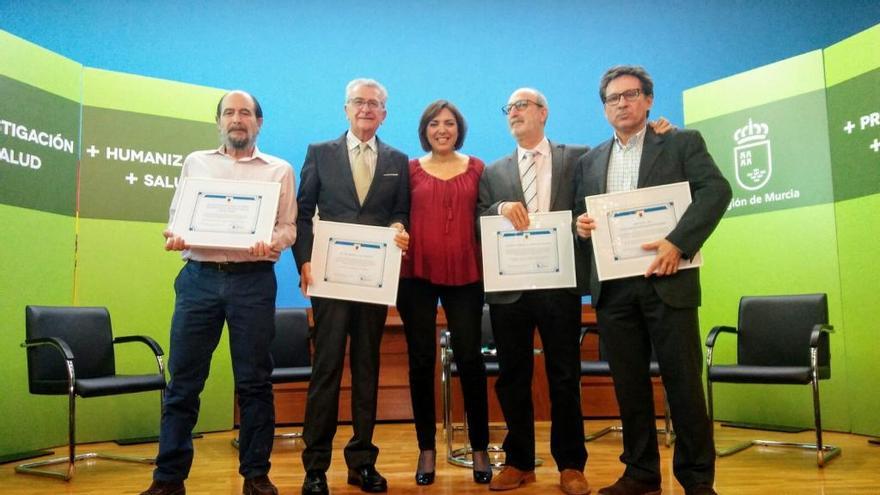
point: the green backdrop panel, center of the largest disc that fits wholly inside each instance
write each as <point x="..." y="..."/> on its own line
<point x="852" y="69"/>
<point x="858" y="238"/>
<point x="774" y="155"/>
<point x="122" y="265"/>
<point x="784" y="79"/>
<point x="37" y="267"/>
<point x="781" y="252"/>
<point x="36" y="66"/>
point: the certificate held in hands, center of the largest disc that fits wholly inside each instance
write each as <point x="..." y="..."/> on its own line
<point x="540" y="257"/>
<point x="227" y="214"/>
<point x="626" y="220"/>
<point x="355" y="262"/>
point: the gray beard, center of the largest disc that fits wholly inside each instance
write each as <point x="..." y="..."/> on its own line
<point x="239" y="144"/>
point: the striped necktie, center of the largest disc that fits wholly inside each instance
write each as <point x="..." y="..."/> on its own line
<point x="528" y="174"/>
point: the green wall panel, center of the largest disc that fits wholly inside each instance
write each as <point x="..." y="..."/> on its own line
<point x="852" y="71"/>
<point x="37" y="268"/>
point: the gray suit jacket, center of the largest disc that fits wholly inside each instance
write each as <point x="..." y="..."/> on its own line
<point x="679" y="155"/>
<point x="500" y="182"/>
<point x="326" y="182"/>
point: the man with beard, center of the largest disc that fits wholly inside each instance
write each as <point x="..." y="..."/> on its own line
<point x="225" y="285"/>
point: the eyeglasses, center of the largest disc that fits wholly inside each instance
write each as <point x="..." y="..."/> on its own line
<point x="613" y="100"/>
<point x="519" y="105"/>
<point x="361" y="103"/>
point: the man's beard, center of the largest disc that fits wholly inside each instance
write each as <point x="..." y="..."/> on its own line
<point x="239" y="143"/>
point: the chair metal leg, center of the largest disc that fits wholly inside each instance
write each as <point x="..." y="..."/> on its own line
<point x="667" y="432"/>
<point x="824" y="453"/>
<point x="34" y="468"/>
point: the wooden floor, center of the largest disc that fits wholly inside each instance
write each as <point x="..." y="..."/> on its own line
<point x="757" y="471"/>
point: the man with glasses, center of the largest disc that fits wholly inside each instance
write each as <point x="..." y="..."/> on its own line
<point x="537" y="177"/>
<point x="354" y="179"/>
<point x="658" y="309"/>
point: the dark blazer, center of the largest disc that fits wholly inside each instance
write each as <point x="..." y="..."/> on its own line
<point x="501" y="182"/>
<point x="679" y="155"/>
<point x="326" y="182"/>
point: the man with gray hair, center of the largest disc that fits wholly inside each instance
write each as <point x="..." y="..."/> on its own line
<point x="355" y="178"/>
<point x="537" y="177"/>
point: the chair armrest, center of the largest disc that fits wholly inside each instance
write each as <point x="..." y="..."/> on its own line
<point x="55" y="342"/>
<point x="818" y="330"/>
<point x="157" y="349"/>
<point x="713" y="334"/>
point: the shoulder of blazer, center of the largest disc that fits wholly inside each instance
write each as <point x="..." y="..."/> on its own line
<point x="603" y="147"/>
<point x="390" y="150"/>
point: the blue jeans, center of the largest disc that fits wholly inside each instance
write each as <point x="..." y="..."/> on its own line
<point x="205" y="298"/>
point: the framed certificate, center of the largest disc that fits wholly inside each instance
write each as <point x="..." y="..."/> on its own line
<point x="626" y="220"/>
<point x="226" y="214"/>
<point x="355" y="262"/>
<point x="540" y="257"/>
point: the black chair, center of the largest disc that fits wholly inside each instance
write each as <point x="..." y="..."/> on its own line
<point x="291" y="353"/>
<point x="601" y="368"/>
<point x="461" y="456"/>
<point x="780" y="340"/>
<point x="70" y="352"/>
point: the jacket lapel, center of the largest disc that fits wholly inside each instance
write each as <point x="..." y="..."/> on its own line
<point x="601" y="174"/>
<point x="650" y="151"/>
<point x="341" y="158"/>
<point x="514" y="181"/>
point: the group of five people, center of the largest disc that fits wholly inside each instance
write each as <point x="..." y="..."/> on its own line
<point x="433" y="202"/>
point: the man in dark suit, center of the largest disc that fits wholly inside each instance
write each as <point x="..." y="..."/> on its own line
<point x="658" y="309"/>
<point x="544" y="182"/>
<point x="355" y="179"/>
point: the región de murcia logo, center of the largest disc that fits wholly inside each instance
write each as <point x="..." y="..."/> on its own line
<point x="752" y="160"/>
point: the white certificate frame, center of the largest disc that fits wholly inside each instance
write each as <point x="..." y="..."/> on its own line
<point x="328" y="279"/>
<point x="497" y="231"/>
<point x="614" y="260"/>
<point x="195" y="192"/>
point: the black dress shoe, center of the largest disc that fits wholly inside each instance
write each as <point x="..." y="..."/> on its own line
<point x="483" y="477"/>
<point x="315" y="483"/>
<point x="425" y="478"/>
<point x="368" y="479"/>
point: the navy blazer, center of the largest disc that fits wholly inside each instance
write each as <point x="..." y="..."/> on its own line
<point x="326" y="184"/>
<point x="501" y="182"/>
<point x="679" y="155"/>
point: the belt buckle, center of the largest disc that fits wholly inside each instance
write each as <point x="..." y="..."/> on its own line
<point x="224" y="266"/>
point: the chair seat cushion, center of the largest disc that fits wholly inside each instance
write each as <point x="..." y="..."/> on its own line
<point x="118" y="384"/>
<point x="287" y="375"/>
<point x="763" y="374"/>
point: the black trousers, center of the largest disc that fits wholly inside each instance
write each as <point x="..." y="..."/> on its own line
<point x="632" y="318"/>
<point x="556" y="314"/>
<point x="463" y="305"/>
<point x="335" y="322"/>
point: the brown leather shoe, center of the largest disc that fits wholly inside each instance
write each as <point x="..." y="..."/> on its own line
<point x="165" y="488"/>
<point x="629" y="486"/>
<point x="510" y="478"/>
<point x="259" y="485"/>
<point x="573" y="482"/>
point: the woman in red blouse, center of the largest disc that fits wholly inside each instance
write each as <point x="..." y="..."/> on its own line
<point x="442" y="263"/>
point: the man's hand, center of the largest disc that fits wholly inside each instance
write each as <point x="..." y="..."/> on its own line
<point x="305" y="278"/>
<point x="585" y="225"/>
<point x="402" y="236"/>
<point x="666" y="261"/>
<point x="262" y="249"/>
<point x="661" y="126"/>
<point x="173" y="242"/>
<point x="517" y="213"/>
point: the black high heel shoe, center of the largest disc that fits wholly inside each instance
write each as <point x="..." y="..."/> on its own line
<point x="482" y="477"/>
<point x="425" y="478"/>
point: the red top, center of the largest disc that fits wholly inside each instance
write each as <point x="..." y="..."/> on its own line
<point x="443" y="245"/>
